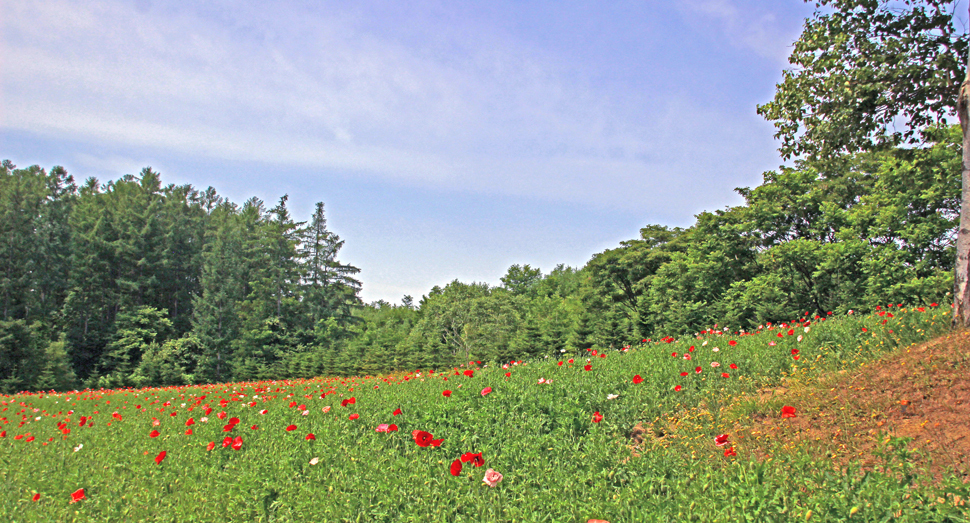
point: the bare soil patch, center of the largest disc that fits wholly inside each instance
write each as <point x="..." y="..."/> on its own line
<point x="921" y="392"/>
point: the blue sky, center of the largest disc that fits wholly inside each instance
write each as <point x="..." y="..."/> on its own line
<point x="448" y="140"/>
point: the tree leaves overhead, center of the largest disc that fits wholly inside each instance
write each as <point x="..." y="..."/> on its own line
<point x="868" y="74"/>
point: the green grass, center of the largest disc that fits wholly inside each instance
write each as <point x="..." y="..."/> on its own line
<point x="557" y="464"/>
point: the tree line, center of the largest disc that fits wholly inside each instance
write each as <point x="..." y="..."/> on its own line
<point x="132" y="283"/>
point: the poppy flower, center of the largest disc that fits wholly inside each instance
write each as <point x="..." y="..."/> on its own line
<point x="597" y="417"/>
<point x="264" y="411"/>
<point x="677" y="388"/>
<point x="422" y="438"/>
<point x="570" y="360"/>
<point x="508" y="374"/>
<point x="211" y="445"/>
<point x="733" y="366"/>
<point x="492" y="478"/>
<point x="730" y="453"/>
<point x="637" y="379"/>
<point x="788" y="411"/>
<point x="161" y="455"/>
<point x="732" y="343"/>
<point x="228" y="428"/>
<point x="396" y="412"/>
<point x="36" y="497"/>
<point x="725" y="375"/>
<point x="455" y="467"/>
<point x="354" y="416"/>
<point x="446" y="393"/>
<point x="227" y="441"/>
<point x="470" y="373"/>
<point x="310" y="437"/>
<point x="392" y="428"/>
<point x="234" y="421"/>
<point x="383" y="427"/>
<point x="189" y="422"/>
<point x="486" y="391"/>
<point x="221" y="415"/>
<point x="683" y="373"/>
<point x="474" y="459"/>
<point x="188" y="432"/>
<point x="721" y="440"/>
<point x="291" y="428"/>
<point x="153" y="434"/>
<point x="77" y="495"/>
<point x="237" y="443"/>
<point x="697" y="370"/>
<point x="587" y="367"/>
<point x="437" y="442"/>
<point x="560" y="364"/>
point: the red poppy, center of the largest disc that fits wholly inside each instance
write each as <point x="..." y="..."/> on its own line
<point x="227" y="441"/>
<point x="474" y="459"/>
<point x="794" y="352"/>
<point x="161" y="455"/>
<point x="570" y="360"/>
<point x="486" y="391"/>
<point x="189" y="422"/>
<point x="291" y="428"/>
<point x="455" y="467"/>
<point x="221" y="415"/>
<point x="344" y="403"/>
<point x="29" y="438"/>
<point x="788" y="411"/>
<point x="587" y="367"/>
<point x="732" y="343"/>
<point x="422" y="438"/>
<point x="730" y="453"/>
<point x="153" y="434"/>
<point x="396" y="412"/>
<point x="228" y="428"/>
<point x="36" y="497"/>
<point x="721" y="440"/>
<point x="470" y="373"/>
<point x="637" y="379"/>
<point x="446" y="393"/>
<point x="211" y="445"/>
<point x="683" y="373"/>
<point x="733" y="366"/>
<point x="354" y="416"/>
<point x="188" y="432"/>
<point x="310" y="437"/>
<point x="254" y="427"/>
<point x="392" y="428"/>
<point x="725" y="375"/>
<point x="597" y="417"/>
<point x="237" y="443"/>
<point x="234" y="421"/>
<point x="437" y="442"/>
<point x="77" y="495"/>
<point x="508" y="374"/>
<point x="698" y="370"/>
<point x="677" y="388"/>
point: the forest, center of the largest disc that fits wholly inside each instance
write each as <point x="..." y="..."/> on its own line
<point x="134" y="283"/>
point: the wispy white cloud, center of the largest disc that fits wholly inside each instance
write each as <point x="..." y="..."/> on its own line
<point x="749" y="27"/>
<point x="289" y="85"/>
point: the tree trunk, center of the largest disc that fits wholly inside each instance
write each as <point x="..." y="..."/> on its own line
<point x="961" y="289"/>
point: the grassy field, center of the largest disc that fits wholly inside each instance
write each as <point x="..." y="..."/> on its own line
<point x="661" y="431"/>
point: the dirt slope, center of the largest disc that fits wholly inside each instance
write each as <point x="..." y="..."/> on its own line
<point x="921" y="392"/>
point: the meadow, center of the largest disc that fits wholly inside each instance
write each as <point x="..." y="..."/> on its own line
<point x="554" y="432"/>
